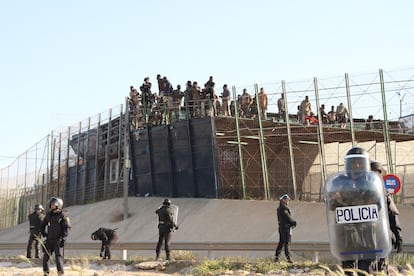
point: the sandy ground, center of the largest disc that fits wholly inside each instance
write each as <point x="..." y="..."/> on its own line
<point x="23" y="266"/>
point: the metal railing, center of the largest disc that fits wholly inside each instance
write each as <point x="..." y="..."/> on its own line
<point x="316" y="246"/>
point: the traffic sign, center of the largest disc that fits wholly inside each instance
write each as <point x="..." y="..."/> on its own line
<point x="392" y="183"/>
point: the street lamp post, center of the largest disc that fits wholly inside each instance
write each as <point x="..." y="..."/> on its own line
<point x="401" y="101"/>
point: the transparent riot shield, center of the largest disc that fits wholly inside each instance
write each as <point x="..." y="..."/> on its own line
<point x="357" y="216"/>
<point x="175" y="209"/>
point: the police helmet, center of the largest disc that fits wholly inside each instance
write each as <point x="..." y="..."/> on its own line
<point x="357" y="161"/>
<point x="284" y="196"/>
<point x="377" y="167"/>
<point x="167" y="202"/>
<point x="38" y="207"/>
<point x="57" y="201"/>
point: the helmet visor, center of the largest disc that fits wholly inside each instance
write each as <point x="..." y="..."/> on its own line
<point x="357" y="163"/>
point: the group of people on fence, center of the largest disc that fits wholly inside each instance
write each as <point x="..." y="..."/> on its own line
<point x="165" y="106"/>
<point x="306" y="116"/>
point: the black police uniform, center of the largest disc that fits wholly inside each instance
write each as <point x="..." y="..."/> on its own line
<point x="165" y="225"/>
<point x="108" y="238"/>
<point x="58" y="225"/>
<point x="395" y="225"/>
<point x="395" y="228"/>
<point x="286" y="222"/>
<point x="35" y="220"/>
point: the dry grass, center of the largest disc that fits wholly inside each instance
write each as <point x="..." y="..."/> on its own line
<point x="187" y="263"/>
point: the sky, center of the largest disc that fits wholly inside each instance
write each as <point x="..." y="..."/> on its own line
<point x="64" y="61"/>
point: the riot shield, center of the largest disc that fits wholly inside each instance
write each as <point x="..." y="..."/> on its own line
<point x="174" y="209"/>
<point x="357" y="217"/>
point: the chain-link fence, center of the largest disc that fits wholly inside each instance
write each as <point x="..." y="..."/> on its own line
<point x="60" y="165"/>
<point x="297" y="152"/>
<point x="257" y="158"/>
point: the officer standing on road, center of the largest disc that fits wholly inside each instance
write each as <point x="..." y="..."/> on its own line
<point x="166" y="225"/>
<point x="55" y="227"/>
<point x="35" y="220"/>
<point x="108" y="238"/>
<point x="286" y="223"/>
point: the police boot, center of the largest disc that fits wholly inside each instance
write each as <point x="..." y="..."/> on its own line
<point x="276" y="259"/>
<point x="168" y="256"/>
<point x="157" y="256"/>
<point x="289" y="259"/>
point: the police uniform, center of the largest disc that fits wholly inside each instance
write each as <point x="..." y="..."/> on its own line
<point x="108" y="238"/>
<point x="393" y="211"/>
<point x="58" y="225"/>
<point x="395" y="228"/>
<point x="395" y="225"/>
<point x="35" y="220"/>
<point x="286" y="222"/>
<point x="166" y="224"/>
<point x="393" y="220"/>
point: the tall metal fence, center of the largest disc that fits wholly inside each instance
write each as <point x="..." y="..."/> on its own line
<point x="262" y="160"/>
<point x="44" y="169"/>
<point x="258" y="158"/>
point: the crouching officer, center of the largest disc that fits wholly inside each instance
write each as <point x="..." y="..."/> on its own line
<point x="108" y="238"/>
<point x="166" y="224"/>
<point x="35" y="220"/>
<point x="55" y="227"/>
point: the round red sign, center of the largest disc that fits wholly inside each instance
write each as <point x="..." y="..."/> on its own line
<point x="392" y="183"/>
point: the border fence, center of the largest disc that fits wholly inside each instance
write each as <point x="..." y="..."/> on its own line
<point x="258" y="157"/>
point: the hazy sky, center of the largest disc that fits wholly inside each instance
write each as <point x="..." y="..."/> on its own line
<point x="63" y="61"/>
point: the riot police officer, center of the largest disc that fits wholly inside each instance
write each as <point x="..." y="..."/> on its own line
<point x="55" y="227"/>
<point x="35" y="219"/>
<point x="356" y="213"/>
<point x="393" y="211"/>
<point x="286" y="223"/>
<point x="166" y="224"/>
<point x="393" y="219"/>
<point x="108" y="238"/>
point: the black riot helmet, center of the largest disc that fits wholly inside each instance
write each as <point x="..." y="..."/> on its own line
<point x="57" y="201"/>
<point x="166" y="202"/>
<point x="38" y="207"/>
<point x="357" y="161"/>
<point x="377" y="167"/>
